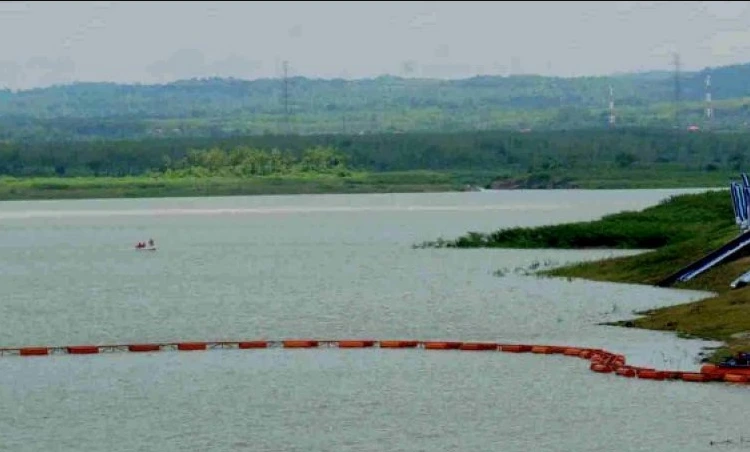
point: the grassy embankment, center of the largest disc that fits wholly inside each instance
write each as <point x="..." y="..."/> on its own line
<point x="146" y="187"/>
<point x="614" y="178"/>
<point x="678" y="231"/>
<point x="29" y="188"/>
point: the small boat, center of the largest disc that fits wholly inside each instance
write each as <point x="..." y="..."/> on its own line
<point x="142" y="246"/>
<point x="738" y="365"/>
<point x="740" y="361"/>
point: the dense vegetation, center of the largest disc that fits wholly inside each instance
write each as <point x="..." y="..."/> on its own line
<point x="507" y="154"/>
<point x="227" y="107"/>
<point x="672" y="222"/>
<point x="682" y="229"/>
<point x="225" y="184"/>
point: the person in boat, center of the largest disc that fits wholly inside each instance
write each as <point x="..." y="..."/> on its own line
<point x="740" y="359"/>
<point x="151" y="243"/>
<point x="140" y="245"/>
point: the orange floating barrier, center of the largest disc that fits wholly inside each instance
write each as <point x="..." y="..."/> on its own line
<point x="355" y="344"/>
<point x="478" y="346"/>
<point x="33" y="351"/>
<point x="144" y="348"/>
<point x="515" y="348"/>
<point x="602" y="361"/>
<point x="433" y="345"/>
<point x="398" y="344"/>
<point x="191" y="346"/>
<point x="300" y="344"/>
<point x="252" y="344"/>
<point x="82" y="349"/>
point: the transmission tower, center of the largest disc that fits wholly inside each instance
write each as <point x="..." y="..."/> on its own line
<point x="611" y="107"/>
<point x="287" y="123"/>
<point x="709" y="106"/>
<point x="677" y="90"/>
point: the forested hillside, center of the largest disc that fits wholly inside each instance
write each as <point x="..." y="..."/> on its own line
<point x="228" y="107"/>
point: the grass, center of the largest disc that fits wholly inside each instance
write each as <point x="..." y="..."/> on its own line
<point x="651" y="176"/>
<point x="602" y="177"/>
<point x="671" y="223"/>
<point x="683" y="228"/>
<point x="145" y="187"/>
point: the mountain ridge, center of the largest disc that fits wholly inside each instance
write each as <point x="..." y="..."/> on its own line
<point x="227" y="105"/>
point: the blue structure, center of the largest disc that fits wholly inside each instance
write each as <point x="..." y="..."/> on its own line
<point x="740" y="194"/>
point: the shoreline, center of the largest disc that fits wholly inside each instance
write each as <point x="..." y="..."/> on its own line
<point x="137" y="187"/>
<point x="47" y="189"/>
<point x="678" y="230"/>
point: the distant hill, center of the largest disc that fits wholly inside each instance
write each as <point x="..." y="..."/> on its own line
<point x="225" y="107"/>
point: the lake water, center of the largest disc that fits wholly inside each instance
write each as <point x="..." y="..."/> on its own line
<point x="334" y="266"/>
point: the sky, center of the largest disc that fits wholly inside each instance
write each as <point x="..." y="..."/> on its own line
<point x="46" y="43"/>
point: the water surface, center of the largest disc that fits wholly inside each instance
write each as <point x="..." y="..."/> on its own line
<point x="334" y="266"/>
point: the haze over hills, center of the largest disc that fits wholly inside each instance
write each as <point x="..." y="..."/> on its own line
<point x="226" y="107"/>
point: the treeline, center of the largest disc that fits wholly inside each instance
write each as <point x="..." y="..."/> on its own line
<point x="508" y="152"/>
<point x="219" y="108"/>
<point x="731" y="115"/>
<point x="212" y="97"/>
<point x="245" y="161"/>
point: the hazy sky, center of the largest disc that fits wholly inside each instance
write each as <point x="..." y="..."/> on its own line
<point x="46" y="43"/>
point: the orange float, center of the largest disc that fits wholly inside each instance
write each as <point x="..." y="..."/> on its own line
<point x="252" y="344"/>
<point x="398" y="344"/>
<point x="650" y="375"/>
<point x="355" y="344"/>
<point x="144" y="348"/>
<point x="434" y="345"/>
<point x="628" y="372"/>
<point x="696" y="376"/>
<point x="478" y="346"/>
<point x="82" y="349"/>
<point x="601" y="368"/>
<point x="33" y="351"/>
<point x="300" y="344"/>
<point x="191" y="346"/>
<point x="515" y="348"/>
<point x="736" y="378"/>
